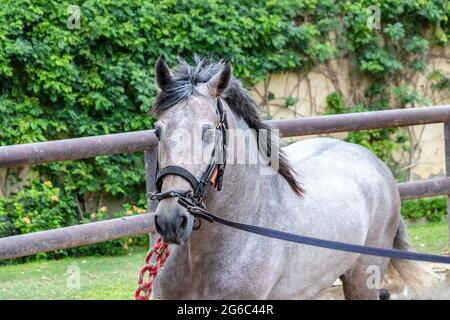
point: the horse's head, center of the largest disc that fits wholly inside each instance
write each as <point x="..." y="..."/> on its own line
<point x="187" y="133"/>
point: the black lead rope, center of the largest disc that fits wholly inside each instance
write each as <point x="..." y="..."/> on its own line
<point x="198" y="212"/>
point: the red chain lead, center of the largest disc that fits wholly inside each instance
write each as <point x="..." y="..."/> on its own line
<point x="144" y="289"/>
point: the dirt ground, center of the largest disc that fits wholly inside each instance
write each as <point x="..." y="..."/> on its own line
<point x="398" y="292"/>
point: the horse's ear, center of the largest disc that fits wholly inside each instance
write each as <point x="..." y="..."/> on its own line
<point x="163" y="76"/>
<point x="220" y="81"/>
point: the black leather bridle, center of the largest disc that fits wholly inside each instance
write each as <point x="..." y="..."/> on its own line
<point x="193" y="199"/>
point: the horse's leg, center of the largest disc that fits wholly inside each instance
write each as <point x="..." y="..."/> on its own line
<point x="363" y="281"/>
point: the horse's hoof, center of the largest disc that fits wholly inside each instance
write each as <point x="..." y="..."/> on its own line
<point x="384" y="294"/>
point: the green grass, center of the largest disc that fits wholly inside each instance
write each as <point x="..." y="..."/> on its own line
<point x="429" y="237"/>
<point x="115" y="277"/>
<point x="100" y="278"/>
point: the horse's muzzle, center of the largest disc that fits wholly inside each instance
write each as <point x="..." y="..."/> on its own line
<point x="173" y="222"/>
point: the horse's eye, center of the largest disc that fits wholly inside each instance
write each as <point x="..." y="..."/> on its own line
<point x="207" y="135"/>
<point x="157" y="132"/>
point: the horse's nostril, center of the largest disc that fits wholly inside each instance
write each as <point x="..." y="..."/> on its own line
<point x="158" y="226"/>
<point x="184" y="222"/>
<point x="181" y="223"/>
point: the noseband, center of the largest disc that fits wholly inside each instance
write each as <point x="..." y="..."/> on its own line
<point x="213" y="174"/>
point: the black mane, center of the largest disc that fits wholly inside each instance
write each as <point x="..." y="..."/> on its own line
<point x="184" y="84"/>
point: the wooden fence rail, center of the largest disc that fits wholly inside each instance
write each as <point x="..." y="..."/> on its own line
<point x="81" y="148"/>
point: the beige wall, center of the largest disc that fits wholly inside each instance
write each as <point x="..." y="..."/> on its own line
<point x="17" y="178"/>
<point x="427" y="156"/>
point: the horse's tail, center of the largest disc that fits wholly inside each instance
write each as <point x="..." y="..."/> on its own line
<point x="415" y="275"/>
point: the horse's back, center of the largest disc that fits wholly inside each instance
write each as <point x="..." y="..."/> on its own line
<point x="330" y="168"/>
<point x="337" y="158"/>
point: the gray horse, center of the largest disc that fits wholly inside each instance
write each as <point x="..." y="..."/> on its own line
<point x="320" y="187"/>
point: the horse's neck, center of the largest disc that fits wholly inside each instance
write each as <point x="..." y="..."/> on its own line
<point x="243" y="185"/>
<point x="244" y="194"/>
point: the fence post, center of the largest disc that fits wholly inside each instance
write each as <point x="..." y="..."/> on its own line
<point x="150" y="158"/>
<point x="447" y="169"/>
